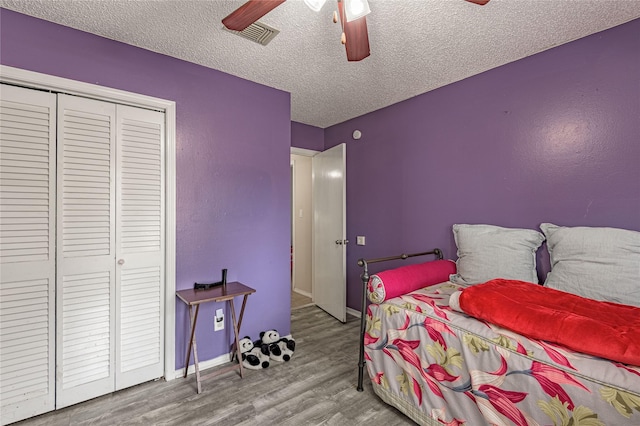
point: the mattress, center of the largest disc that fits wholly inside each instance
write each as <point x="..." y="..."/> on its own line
<point x="440" y="366"/>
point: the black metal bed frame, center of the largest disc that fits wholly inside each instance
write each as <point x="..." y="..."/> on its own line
<point x="365" y="280"/>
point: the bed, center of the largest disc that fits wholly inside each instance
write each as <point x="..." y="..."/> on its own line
<point x="426" y="355"/>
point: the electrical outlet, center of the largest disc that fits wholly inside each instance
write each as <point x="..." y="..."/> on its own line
<point x="218" y="320"/>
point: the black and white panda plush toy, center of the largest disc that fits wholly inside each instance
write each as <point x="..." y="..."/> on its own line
<point x="279" y="349"/>
<point x="270" y="338"/>
<point x="253" y="357"/>
<point x="287" y="347"/>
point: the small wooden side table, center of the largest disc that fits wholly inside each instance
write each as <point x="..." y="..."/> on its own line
<point x="224" y="293"/>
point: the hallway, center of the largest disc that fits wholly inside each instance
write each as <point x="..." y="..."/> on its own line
<point x="299" y="301"/>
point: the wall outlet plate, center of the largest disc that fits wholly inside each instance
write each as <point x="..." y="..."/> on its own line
<point x="218" y="320"/>
<point x="360" y="240"/>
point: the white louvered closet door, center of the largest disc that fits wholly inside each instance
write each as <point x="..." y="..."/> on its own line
<point x="27" y="252"/>
<point x="139" y="246"/>
<point x="85" y="358"/>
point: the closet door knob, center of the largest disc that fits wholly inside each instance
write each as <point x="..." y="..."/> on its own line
<point x="121" y="262"/>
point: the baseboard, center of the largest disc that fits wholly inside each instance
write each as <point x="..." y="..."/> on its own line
<point x="353" y="312"/>
<point x="303" y="306"/>
<point x="210" y="363"/>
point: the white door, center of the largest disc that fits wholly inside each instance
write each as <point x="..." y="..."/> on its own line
<point x="86" y="252"/>
<point x="139" y="246"/>
<point x="110" y="248"/>
<point x="329" y="236"/>
<point x="82" y="247"/>
<point x="27" y="252"/>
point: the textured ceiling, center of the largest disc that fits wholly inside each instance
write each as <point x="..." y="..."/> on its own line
<point x="416" y="45"/>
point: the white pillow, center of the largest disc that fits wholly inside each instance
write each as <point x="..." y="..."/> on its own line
<point x="486" y="252"/>
<point x="598" y="263"/>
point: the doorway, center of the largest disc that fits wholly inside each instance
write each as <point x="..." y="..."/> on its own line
<point x="301" y="228"/>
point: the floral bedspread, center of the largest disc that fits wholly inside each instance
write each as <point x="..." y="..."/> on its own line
<point x="440" y="366"/>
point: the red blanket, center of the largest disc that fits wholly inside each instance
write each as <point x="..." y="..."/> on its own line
<point x="604" y="329"/>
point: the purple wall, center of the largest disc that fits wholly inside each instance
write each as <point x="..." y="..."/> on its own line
<point x="307" y="137"/>
<point x="232" y="172"/>
<point x="554" y="137"/>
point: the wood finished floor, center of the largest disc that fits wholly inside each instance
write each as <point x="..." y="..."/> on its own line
<point x="298" y="300"/>
<point x="317" y="387"/>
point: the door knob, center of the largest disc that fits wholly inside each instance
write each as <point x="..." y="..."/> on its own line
<point x="121" y="262"/>
<point x="340" y="242"/>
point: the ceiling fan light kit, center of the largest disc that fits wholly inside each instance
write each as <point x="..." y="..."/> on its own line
<point x="315" y="5"/>
<point x="352" y="13"/>
<point x="356" y="9"/>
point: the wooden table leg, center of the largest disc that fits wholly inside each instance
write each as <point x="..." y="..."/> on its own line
<point x="237" y="339"/>
<point x="192" y="344"/>
<point x="233" y="347"/>
<point x="244" y="303"/>
<point x="192" y="328"/>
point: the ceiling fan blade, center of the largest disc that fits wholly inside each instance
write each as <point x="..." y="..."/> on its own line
<point x="357" y="36"/>
<point x="249" y="13"/>
<point x="479" y="2"/>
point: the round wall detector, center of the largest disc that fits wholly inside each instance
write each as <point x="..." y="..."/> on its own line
<point x="357" y="134"/>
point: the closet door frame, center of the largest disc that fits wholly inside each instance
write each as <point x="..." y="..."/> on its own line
<point x="17" y="76"/>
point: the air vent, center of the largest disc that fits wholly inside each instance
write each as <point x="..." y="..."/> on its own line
<point x="258" y="32"/>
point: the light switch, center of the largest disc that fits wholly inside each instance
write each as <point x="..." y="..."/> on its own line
<point x="360" y="240"/>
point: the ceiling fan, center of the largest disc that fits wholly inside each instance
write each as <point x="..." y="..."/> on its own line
<point x="352" y="14"/>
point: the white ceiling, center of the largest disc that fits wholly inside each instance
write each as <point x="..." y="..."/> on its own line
<point x="416" y="45"/>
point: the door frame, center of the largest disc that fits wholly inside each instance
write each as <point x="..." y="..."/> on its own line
<point x="36" y="80"/>
<point x="305" y="153"/>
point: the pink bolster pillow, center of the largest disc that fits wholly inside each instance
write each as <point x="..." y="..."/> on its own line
<point x="395" y="282"/>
